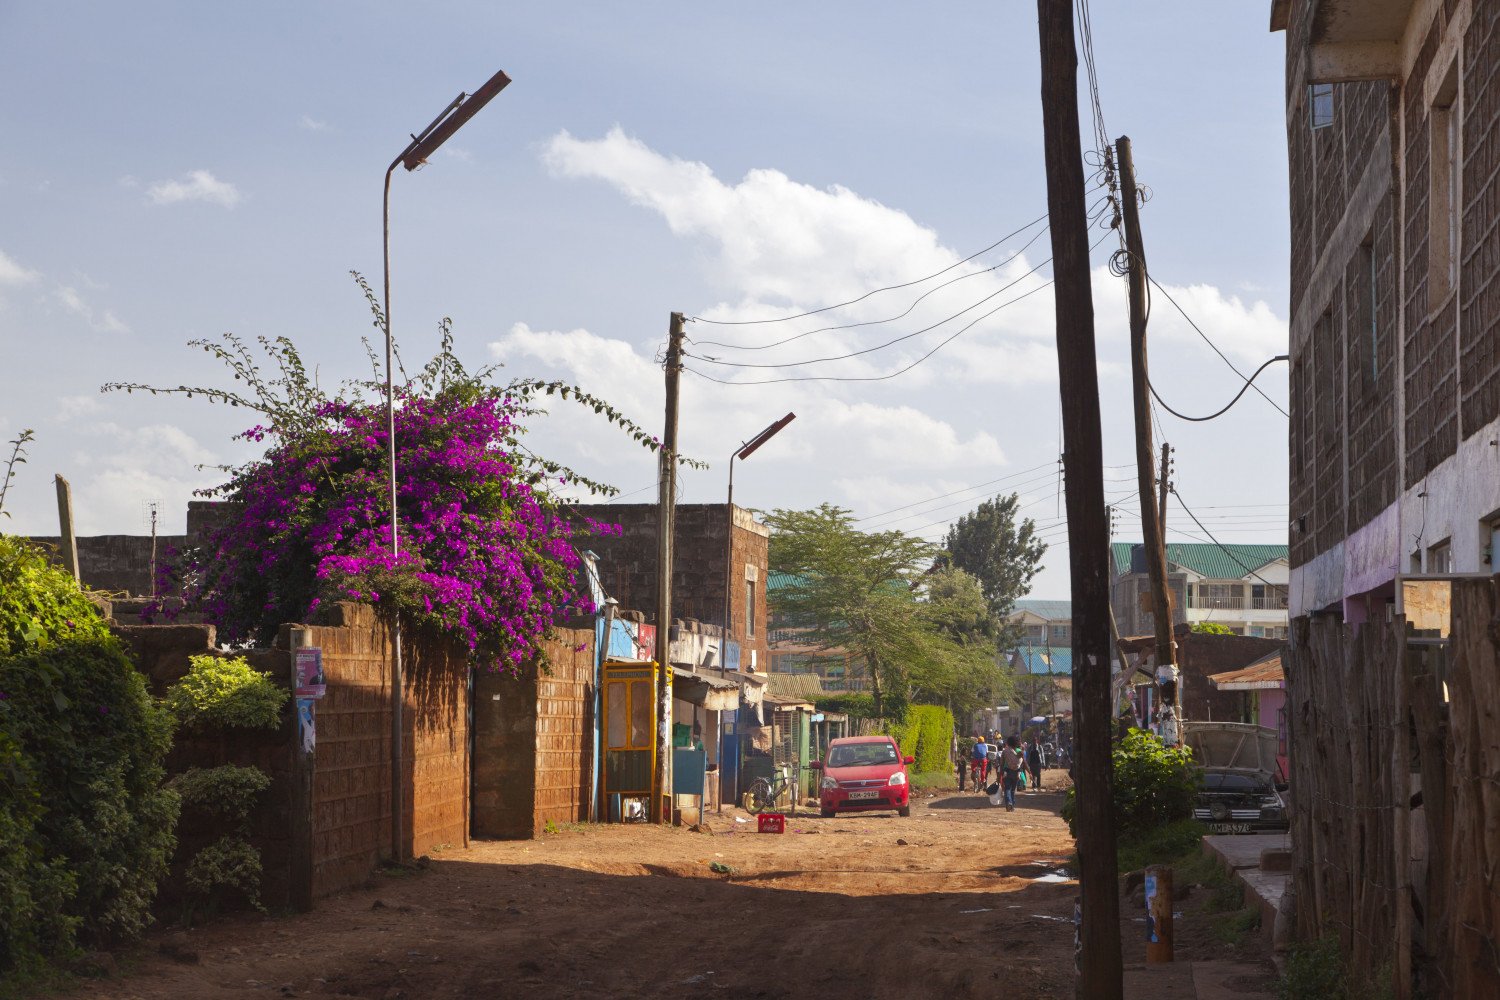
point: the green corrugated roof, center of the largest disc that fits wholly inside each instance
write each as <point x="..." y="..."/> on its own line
<point x="777" y="580"/>
<point x="1055" y="611"/>
<point x="1221" y="562"/>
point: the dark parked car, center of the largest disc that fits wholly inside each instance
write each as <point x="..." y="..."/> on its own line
<point x="1240" y="784"/>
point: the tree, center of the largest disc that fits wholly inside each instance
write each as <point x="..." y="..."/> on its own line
<point x="869" y="594"/>
<point x="1212" y="628"/>
<point x="1002" y="553"/>
<point x="485" y="552"/>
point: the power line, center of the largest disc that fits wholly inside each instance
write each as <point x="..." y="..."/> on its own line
<point x="899" y="371"/>
<point x="878" y="322"/>
<point x="876" y="291"/>
<point x="966" y="489"/>
<point x="1249" y="383"/>
<point x="1220" y="544"/>
<point x="880" y="347"/>
<point x="1210" y="343"/>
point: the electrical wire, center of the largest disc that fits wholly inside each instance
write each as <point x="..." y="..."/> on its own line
<point x="899" y="371"/>
<point x="888" y="319"/>
<point x="876" y="291"/>
<point x="1210" y="343"/>
<point x="1249" y="383"/>
<point x="944" y="496"/>
<point x="880" y="347"/>
<point x="1210" y="534"/>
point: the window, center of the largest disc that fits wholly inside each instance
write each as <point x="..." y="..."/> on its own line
<point x="750" y="609"/>
<point x="1061" y="633"/>
<point x="1320" y="105"/>
<point x="1444" y="171"/>
<point x="1364" y="301"/>
<point x="1440" y="557"/>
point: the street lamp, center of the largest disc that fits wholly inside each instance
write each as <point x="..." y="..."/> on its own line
<point x="745" y="451"/>
<point x="417" y="152"/>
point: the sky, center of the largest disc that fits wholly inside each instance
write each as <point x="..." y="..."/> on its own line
<point x="179" y="171"/>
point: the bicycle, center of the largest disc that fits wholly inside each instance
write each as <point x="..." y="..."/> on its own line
<point x="763" y="794"/>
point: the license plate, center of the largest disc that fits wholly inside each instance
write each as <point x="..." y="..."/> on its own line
<point x="870" y="794"/>
<point x="1229" y="828"/>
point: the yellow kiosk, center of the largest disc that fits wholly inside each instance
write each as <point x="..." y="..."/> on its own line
<point x="630" y="699"/>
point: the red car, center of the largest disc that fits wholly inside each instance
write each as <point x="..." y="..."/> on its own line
<point x="862" y="773"/>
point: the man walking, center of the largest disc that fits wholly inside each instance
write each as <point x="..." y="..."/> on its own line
<point x="1010" y="769"/>
<point x="980" y="758"/>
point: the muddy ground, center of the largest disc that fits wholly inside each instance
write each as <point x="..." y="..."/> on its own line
<point x="948" y="903"/>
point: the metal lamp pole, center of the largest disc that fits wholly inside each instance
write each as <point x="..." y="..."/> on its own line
<point x="417" y="152"/>
<point x="745" y="451"/>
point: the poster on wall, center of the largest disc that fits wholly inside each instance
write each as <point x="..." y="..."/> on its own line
<point x="307" y="724"/>
<point x="310" y="682"/>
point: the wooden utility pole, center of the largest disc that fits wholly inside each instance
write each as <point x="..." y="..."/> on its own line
<point x="1164" y="485"/>
<point x="661" y="798"/>
<point x="1088" y="524"/>
<point x="1151" y="530"/>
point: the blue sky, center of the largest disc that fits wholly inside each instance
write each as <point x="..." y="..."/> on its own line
<point x="178" y="170"/>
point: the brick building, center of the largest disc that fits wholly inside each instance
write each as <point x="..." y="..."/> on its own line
<point x="627" y="568"/>
<point x="1392" y="108"/>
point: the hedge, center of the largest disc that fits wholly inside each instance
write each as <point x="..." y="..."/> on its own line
<point x="926" y="733"/>
<point x="85" y="743"/>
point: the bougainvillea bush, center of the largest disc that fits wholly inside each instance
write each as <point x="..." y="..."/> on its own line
<point x="486" y="552"/>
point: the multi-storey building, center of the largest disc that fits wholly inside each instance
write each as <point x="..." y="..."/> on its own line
<point x="1393" y="136"/>
<point x="1242" y="587"/>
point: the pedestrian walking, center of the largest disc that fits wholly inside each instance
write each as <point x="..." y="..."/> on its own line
<point x="980" y="758"/>
<point x="1010" y="769"/>
<point x="963" y="766"/>
<point x="1034" y="765"/>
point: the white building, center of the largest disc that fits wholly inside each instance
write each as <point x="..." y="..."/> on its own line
<point x="1242" y="587"/>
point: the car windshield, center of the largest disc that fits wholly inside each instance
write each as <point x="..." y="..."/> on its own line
<point x="861" y="754"/>
<point x="1218" y="781"/>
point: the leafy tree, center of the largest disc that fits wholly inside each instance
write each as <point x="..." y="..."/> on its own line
<point x="486" y="556"/>
<point x="1001" y="551"/>
<point x="1212" y="628"/>
<point x="869" y="594"/>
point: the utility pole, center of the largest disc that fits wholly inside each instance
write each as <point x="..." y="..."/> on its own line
<point x="67" y="537"/>
<point x="661" y="798"/>
<point x="1151" y="526"/>
<point x="1164" y="486"/>
<point x="1088" y="524"/>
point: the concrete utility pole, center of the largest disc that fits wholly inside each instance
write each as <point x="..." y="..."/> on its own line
<point x="1088" y="524"/>
<point x="1164" y="487"/>
<point x="68" y="540"/>
<point x="661" y="798"/>
<point x="1152" y="538"/>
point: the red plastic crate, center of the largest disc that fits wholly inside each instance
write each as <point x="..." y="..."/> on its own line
<point x="771" y="823"/>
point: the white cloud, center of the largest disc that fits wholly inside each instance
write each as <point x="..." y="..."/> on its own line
<point x="99" y="321"/>
<point x="13" y="274"/>
<point x="310" y="124"/>
<point x="458" y="153"/>
<point x="73" y="407"/>
<point x="139" y="464"/>
<point x="198" y="185"/>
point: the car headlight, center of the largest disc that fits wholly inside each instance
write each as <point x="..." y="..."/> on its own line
<point x="899" y="778"/>
<point x="829" y="782"/>
<point x="1271" y="802"/>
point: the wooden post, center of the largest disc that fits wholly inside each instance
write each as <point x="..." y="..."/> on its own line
<point x="1088" y="523"/>
<point x="68" y="540"/>
<point x="1151" y="531"/>
<point x="661" y="798"/>
<point x="1158" y="914"/>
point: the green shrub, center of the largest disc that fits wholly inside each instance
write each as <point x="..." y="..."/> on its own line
<point x="33" y="887"/>
<point x="229" y="863"/>
<point x="219" y="692"/>
<point x="1314" y="971"/>
<point x="40" y="604"/>
<point x="227" y="792"/>
<point x="1212" y="628"/>
<point x="926" y="733"/>
<point x="1153" y="786"/>
<point x="90" y="743"/>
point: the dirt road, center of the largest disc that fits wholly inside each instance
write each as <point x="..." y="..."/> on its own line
<point x="947" y="903"/>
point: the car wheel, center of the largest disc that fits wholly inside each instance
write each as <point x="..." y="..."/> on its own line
<point x="828" y="813"/>
<point x="904" y="811"/>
